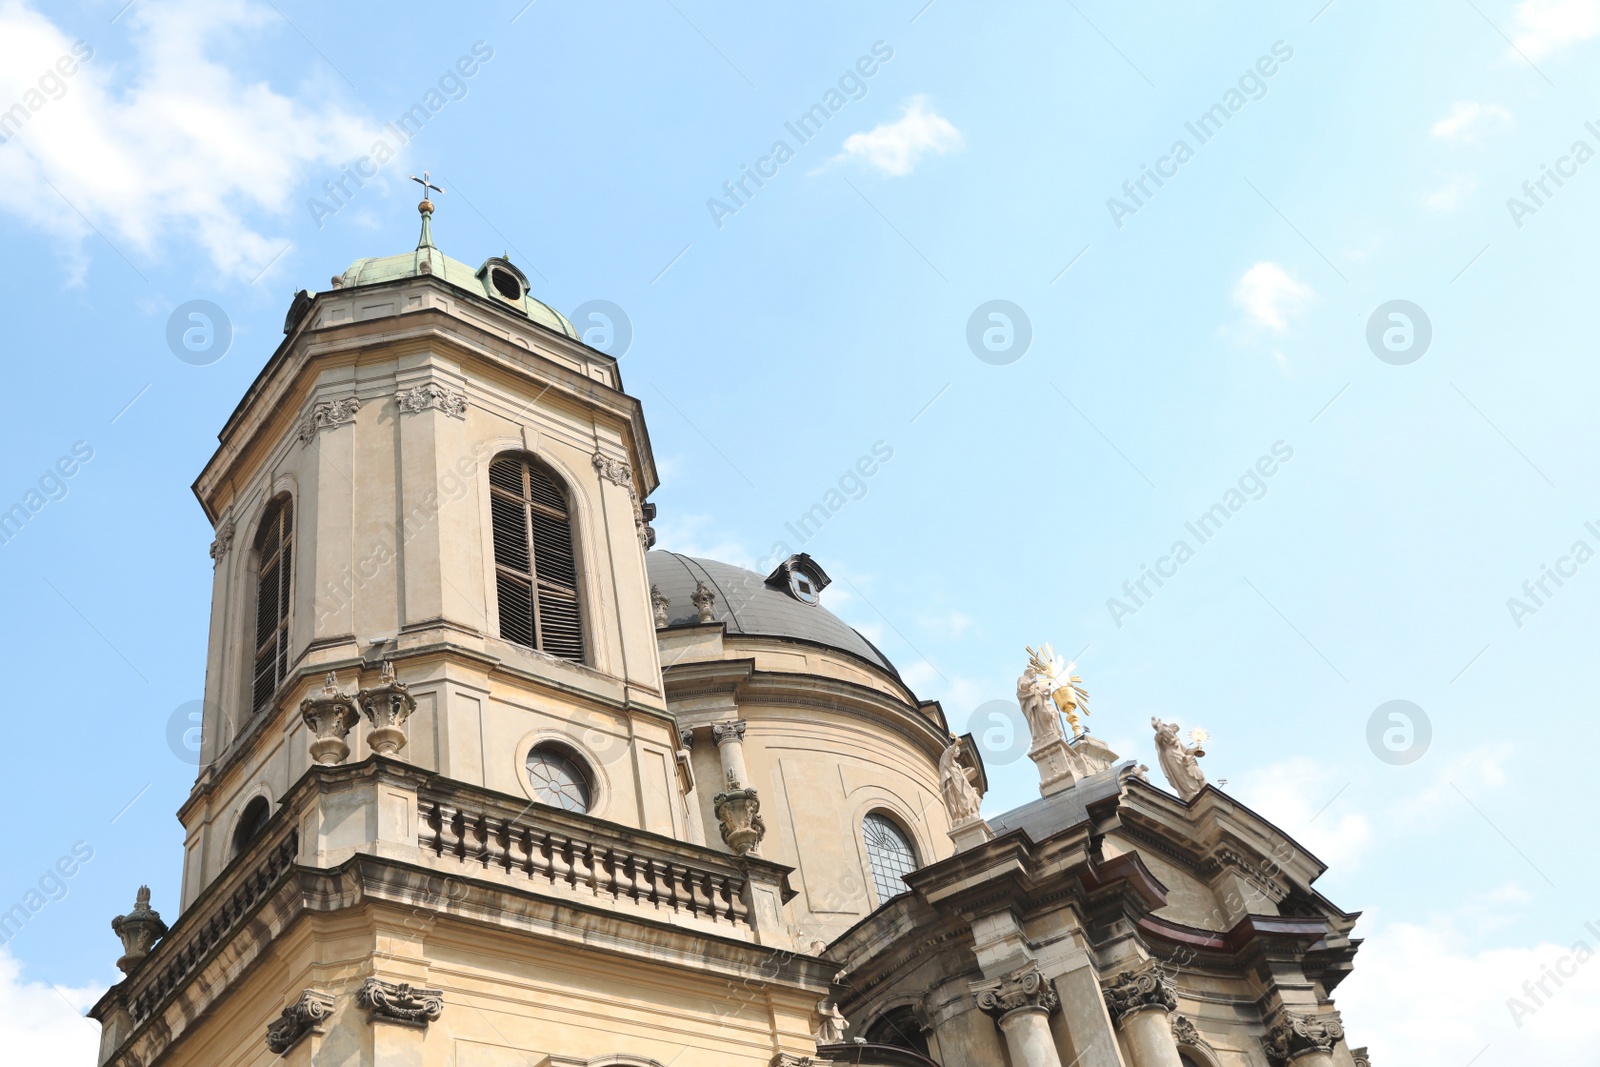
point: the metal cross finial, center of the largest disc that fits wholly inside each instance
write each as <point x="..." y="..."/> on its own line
<point x="426" y="184"/>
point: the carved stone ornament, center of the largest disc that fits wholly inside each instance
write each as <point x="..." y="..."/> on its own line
<point x="1295" y="1035"/>
<point x="1141" y="988"/>
<point x="420" y="398"/>
<point x="306" y="1015"/>
<point x="1360" y="1057"/>
<point x="832" y="1025"/>
<point x="659" y="603"/>
<point x="329" y="714"/>
<point x="786" y="1059"/>
<point x="1025" y="989"/>
<point x="402" y="1003"/>
<point x="1185" y="1034"/>
<point x="732" y="730"/>
<point x="739" y="813"/>
<point x="140" y="929"/>
<point x="705" y="603"/>
<point x="328" y="413"/>
<point x="387" y="705"/>
<point x="224" y="541"/>
<point x="618" y="473"/>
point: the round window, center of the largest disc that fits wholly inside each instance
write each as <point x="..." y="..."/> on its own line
<point x="558" y="780"/>
<point x="803" y="588"/>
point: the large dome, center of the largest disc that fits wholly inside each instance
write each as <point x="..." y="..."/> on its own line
<point x="746" y="604"/>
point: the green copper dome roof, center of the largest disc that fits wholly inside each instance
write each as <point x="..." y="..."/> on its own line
<point x="498" y="280"/>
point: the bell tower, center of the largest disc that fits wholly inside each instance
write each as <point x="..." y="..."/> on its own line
<point x="444" y="813"/>
<point x="433" y="472"/>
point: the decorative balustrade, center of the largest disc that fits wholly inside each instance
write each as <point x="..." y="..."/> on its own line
<point x="549" y="849"/>
<point x="190" y="942"/>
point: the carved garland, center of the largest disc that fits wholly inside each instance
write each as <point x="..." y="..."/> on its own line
<point x="619" y="474"/>
<point x="306" y="1015"/>
<point x="420" y="398"/>
<point x="400" y="1003"/>
<point x="224" y="541"/>
<point x="326" y="414"/>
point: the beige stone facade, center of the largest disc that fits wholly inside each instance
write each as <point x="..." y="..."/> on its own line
<point x="419" y="839"/>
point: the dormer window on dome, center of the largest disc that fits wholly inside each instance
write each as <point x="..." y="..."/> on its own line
<point x="801" y="578"/>
<point x="504" y="279"/>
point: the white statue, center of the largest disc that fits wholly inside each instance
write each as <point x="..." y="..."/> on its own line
<point x="1034" y="690"/>
<point x="961" y="797"/>
<point x="833" y="1025"/>
<point x="1179" y="762"/>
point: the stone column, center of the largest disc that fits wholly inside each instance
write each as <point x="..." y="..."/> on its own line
<point x="1304" y="1040"/>
<point x="729" y="737"/>
<point x="1022" y="1003"/>
<point x="1140" y="999"/>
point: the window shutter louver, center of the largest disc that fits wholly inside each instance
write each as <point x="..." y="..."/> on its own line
<point x="275" y="556"/>
<point x="536" y="571"/>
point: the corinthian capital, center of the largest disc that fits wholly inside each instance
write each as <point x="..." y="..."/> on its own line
<point x="1141" y="988"/>
<point x="727" y="731"/>
<point x="1025" y="989"/>
<point x="1295" y="1035"/>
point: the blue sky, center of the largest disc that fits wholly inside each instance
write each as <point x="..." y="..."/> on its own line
<point x="1176" y="340"/>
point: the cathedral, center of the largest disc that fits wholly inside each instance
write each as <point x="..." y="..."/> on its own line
<point x="489" y="781"/>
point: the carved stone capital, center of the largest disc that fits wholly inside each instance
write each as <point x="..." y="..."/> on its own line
<point x="420" y="398"/>
<point x="400" y="1003"/>
<point x="306" y="1015"/>
<point x="1295" y="1035"/>
<point x="329" y="714"/>
<point x="785" y="1059"/>
<point x="328" y="413"/>
<point x="1359" y="1055"/>
<point x="388" y="705"/>
<point x="223" y="542"/>
<point x="686" y="737"/>
<point x="723" y="732"/>
<point x="739" y="813"/>
<point x="1141" y="988"/>
<point x="1025" y="989"/>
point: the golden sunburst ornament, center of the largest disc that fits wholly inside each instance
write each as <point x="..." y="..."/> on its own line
<point x="1066" y="688"/>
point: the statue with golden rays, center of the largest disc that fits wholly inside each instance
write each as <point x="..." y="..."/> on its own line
<point x="1049" y="677"/>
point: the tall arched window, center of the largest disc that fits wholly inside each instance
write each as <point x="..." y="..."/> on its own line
<point x="536" y="574"/>
<point x="275" y="558"/>
<point x="890" y="855"/>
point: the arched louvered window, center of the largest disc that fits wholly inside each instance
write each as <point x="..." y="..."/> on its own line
<point x="890" y="855"/>
<point x="275" y="557"/>
<point x="536" y="574"/>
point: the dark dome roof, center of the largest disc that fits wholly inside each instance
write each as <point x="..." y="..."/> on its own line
<point x="747" y="605"/>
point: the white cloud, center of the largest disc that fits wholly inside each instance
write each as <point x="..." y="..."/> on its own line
<point x="1544" y="27"/>
<point x="895" y="148"/>
<point x="171" y="145"/>
<point x="1299" y="797"/>
<point x="1469" y="122"/>
<point x="1472" y="773"/>
<point x="1270" y="296"/>
<point x="1425" y="996"/>
<point x="1455" y="192"/>
<point x="43" y="1023"/>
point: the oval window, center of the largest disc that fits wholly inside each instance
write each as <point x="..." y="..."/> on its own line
<point x="506" y="284"/>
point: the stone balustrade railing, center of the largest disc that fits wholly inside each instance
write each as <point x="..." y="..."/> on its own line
<point x="548" y="848"/>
